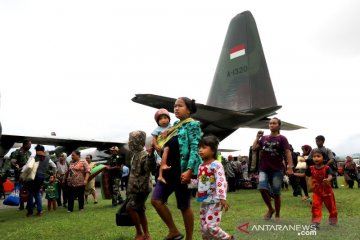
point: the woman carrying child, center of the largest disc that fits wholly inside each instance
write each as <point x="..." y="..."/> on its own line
<point x="183" y="159"/>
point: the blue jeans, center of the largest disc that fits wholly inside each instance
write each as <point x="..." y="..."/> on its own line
<point x="271" y="181"/>
<point x="38" y="201"/>
<point x="34" y="192"/>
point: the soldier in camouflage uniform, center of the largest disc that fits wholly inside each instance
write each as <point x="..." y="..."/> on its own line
<point x="139" y="185"/>
<point x="115" y="164"/>
<point x="18" y="159"/>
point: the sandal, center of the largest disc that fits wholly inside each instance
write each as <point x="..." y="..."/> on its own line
<point x="177" y="237"/>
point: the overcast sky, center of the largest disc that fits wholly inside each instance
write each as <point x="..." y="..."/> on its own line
<point x="73" y="66"/>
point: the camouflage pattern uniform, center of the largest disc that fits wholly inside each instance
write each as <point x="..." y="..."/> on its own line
<point x="142" y="164"/>
<point x="20" y="158"/>
<point x="115" y="178"/>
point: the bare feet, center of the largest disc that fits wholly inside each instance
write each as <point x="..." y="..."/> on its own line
<point x="139" y="237"/>
<point x="305" y="198"/>
<point x="269" y="214"/>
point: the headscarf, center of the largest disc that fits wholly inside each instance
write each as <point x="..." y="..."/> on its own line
<point x="348" y="159"/>
<point x="306" y="150"/>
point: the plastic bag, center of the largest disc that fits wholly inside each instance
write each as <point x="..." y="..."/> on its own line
<point x="13" y="199"/>
<point x="29" y="165"/>
<point x="301" y="163"/>
<point x="8" y="186"/>
<point x="29" y="170"/>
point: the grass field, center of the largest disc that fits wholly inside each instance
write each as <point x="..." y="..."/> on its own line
<point x="246" y="206"/>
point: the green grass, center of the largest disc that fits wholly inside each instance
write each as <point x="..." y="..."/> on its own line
<point x="246" y="206"/>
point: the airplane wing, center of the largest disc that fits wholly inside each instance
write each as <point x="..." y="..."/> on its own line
<point x="206" y="114"/>
<point x="155" y="101"/>
<point x="62" y="141"/>
<point x="70" y="144"/>
<point x="228" y="150"/>
<point x="264" y="123"/>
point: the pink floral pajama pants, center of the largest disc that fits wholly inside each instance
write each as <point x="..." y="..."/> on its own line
<point x="210" y="219"/>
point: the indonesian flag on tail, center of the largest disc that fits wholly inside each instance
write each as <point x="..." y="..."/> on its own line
<point x="237" y="51"/>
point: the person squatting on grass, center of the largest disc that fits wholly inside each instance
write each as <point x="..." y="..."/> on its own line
<point x="139" y="185"/>
<point x="321" y="177"/>
<point x="350" y="172"/>
<point x="183" y="157"/>
<point x="274" y="147"/>
<point x="212" y="188"/>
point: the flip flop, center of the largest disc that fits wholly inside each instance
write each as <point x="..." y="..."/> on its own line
<point x="177" y="237"/>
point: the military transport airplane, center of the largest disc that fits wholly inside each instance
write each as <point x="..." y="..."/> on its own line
<point x="241" y="94"/>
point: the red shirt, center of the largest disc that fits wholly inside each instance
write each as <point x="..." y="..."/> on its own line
<point x="317" y="179"/>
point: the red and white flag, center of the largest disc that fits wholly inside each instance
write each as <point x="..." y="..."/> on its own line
<point x="237" y="51"/>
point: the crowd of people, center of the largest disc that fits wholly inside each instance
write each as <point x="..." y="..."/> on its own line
<point x="61" y="181"/>
<point x="182" y="157"/>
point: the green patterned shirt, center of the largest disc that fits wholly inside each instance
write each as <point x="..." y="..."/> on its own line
<point x="189" y="135"/>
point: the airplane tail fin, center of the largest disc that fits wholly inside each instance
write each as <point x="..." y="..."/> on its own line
<point x="241" y="94"/>
<point x="242" y="81"/>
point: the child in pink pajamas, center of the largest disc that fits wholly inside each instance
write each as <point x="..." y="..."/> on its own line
<point x="212" y="187"/>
